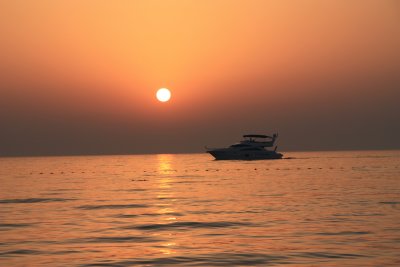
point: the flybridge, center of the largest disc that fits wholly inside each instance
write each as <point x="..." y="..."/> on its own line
<point x="251" y="140"/>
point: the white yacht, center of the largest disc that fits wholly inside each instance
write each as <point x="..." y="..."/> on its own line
<point x="252" y="147"/>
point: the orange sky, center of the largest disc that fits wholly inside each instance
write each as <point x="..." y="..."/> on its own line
<point x="70" y="70"/>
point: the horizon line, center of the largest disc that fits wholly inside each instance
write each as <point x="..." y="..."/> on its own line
<point x="178" y="153"/>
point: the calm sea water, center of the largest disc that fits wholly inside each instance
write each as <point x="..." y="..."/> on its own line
<point x="314" y="209"/>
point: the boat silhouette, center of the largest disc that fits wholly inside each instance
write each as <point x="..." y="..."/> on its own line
<point x="252" y="147"/>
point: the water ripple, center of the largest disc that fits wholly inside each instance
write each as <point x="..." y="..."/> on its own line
<point x="6" y="226"/>
<point x="220" y="259"/>
<point x="114" y="239"/>
<point x="20" y="252"/>
<point x="147" y="214"/>
<point x="344" y="233"/>
<point x="390" y="202"/>
<point x="113" y="206"/>
<point x="33" y="200"/>
<point x="329" y="255"/>
<point x="130" y="190"/>
<point x="187" y="225"/>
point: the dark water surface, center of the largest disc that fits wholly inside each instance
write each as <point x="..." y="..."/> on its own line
<point x="314" y="209"/>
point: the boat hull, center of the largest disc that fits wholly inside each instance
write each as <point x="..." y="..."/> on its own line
<point x="229" y="155"/>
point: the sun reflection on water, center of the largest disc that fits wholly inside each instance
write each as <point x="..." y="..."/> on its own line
<point x="165" y="201"/>
<point x="164" y="163"/>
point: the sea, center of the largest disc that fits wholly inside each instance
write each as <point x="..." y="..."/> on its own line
<point x="310" y="209"/>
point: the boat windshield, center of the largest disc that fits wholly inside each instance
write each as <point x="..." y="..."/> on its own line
<point x="239" y="145"/>
<point x="252" y="149"/>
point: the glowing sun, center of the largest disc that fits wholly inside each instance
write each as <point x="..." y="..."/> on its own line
<point x="163" y="95"/>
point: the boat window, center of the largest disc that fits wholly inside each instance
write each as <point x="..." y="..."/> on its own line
<point x="239" y="145"/>
<point x="251" y="149"/>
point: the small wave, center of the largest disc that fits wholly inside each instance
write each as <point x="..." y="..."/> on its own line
<point x="224" y="212"/>
<point x="20" y="252"/>
<point x="66" y="189"/>
<point x="187" y="225"/>
<point x="126" y="216"/>
<point x="187" y="176"/>
<point x="147" y="214"/>
<point x="344" y="233"/>
<point x="390" y="202"/>
<point x="393" y="204"/>
<point x="357" y="214"/>
<point x="187" y="182"/>
<point x="116" y="206"/>
<point x="6" y="226"/>
<point x="33" y="200"/>
<point x="215" y="259"/>
<point x="130" y="190"/>
<point x="115" y="239"/>
<point x="329" y="255"/>
<point x="63" y="252"/>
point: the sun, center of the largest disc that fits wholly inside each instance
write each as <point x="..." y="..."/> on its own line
<point x="163" y="94"/>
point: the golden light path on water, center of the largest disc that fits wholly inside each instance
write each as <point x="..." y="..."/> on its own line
<point x="325" y="208"/>
<point x="166" y="209"/>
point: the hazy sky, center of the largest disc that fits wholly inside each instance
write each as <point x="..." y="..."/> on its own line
<point x="79" y="77"/>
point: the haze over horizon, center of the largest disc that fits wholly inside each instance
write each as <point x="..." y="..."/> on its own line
<point x="80" y="77"/>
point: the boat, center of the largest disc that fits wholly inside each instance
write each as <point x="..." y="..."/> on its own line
<point x="252" y="147"/>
